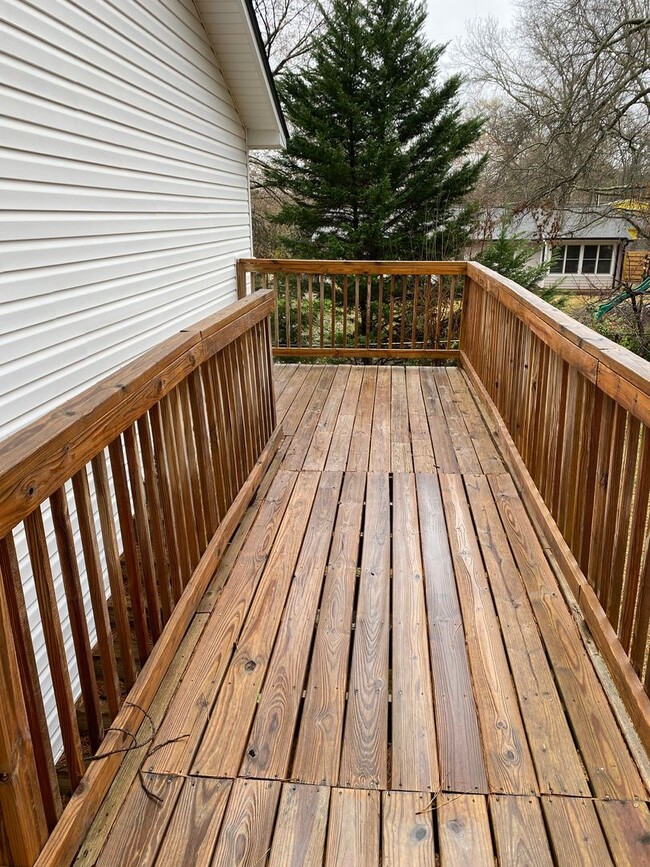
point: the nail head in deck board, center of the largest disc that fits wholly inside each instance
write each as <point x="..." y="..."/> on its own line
<point x="407" y="830"/>
<point x="519" y="832"/>
<point x="509" y="765"/>
<point x="380" y="436"/>
<point x="364" y="756"/>
<point x="353" y="828"/>
<point x="269" y="745"/>
<point x="627" y="829"/>
<point x="300" y="827"/>
<point x="460" y="754"/>
<point x="192" y="833"/>
<point x="575" y="832"/>
<point x="229" y="720"/>
<point x="321" y="724"/>
<point x="604" y="752"/>
<point x="559" y="768"/>
<point x="188" y="711"/>
<point x="247" y="827"/>
<point x="141" y="823"/>
<point x="464" y="836"/>
<point x="337" y="458"/>
<point x="414" y="754"/>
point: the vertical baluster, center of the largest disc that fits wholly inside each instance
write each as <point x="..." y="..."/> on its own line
<point x="636" y="641"/>
<point x="333" y="310"/>
<point x="427" y="300"/>
<point x="345" y="310"/>
<point x="179" y="563"/>
<point x="623" y="512"/>
<point x="380" y="309"/>
<point x="299" y="282"/>
<point x="368" y="308"/>
<point x="310" y="295"/>
<point x="357" y="312"/>
<point x="143" y="533"/>
<point x="206" y="480"/>
<point x="414" y="328"/>
<point x="114" y="568"/>
<point x="127" y="530"/>
<point x="180" y="482"/>
<point x="31" y="687"/>
<point x="439" y="280"/>
<point x="187" y="435"/>
<point x="40" y="559"/>
<point x="23" y="817"/>
<point x="322" y="310"/>
<point x="276" y="324"/>
<point x="77" y="615"/>
<point x="452" y="298"/>
<point x="87" y="531"/>
<point x="216" y="436"/>
<point x="287" y="305"/>
<point x="391" y="313"/>
<point x="154" y="511"/>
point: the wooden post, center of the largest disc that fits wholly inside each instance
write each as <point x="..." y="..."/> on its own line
<point x="241" y="279"/>
<point x="23" y="817"/>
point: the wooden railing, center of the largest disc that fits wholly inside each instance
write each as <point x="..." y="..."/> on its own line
<point x="577" y="409"/>
<point x="360" y="309"/>
<point x="188" y="429"/>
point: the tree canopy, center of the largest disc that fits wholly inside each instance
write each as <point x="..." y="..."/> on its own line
<point x="379" y="160"/>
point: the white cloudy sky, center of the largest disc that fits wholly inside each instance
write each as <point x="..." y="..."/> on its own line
<point x="447" y="18"/>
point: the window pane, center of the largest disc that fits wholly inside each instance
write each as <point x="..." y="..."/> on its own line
<point x="605" y="259"/>
<point x="558" y="264"/>
<point x="589" y="259"/>
<point x="572" y="259"/>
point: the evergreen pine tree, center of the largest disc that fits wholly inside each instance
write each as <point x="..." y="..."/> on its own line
<point x="378" y="161"/>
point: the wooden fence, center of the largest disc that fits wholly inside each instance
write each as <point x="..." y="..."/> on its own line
<point x="175" y="444"/>
<point x="577" y="409"/>
<point x="360" y="309"/>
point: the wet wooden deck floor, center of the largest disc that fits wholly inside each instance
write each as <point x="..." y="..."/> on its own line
<point x="385" y="670"/>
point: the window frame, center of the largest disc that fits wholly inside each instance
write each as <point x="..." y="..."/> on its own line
<point x="580" y="273"/>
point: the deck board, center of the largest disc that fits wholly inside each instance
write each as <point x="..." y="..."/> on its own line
<point x="384" y="669"/>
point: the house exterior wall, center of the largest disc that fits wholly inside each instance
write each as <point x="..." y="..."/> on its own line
<point x="124" y="201"/>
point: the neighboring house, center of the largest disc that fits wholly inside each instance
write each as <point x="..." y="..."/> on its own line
<point x="589" y="249"/>
<point x="124" y="201"/>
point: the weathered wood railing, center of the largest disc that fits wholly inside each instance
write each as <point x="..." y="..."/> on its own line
<point x="577" y="408"/>
<point x="189" y="428"/>
<point x="360" y="309"/>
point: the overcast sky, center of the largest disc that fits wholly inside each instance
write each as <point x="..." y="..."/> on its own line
<point x="447" y="18"/>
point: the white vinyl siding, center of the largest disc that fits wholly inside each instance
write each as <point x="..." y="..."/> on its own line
<point x="124" y="200"/>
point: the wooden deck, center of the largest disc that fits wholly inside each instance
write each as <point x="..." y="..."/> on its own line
<point x="384" y="669"/>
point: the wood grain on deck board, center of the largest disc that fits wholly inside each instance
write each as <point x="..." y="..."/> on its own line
<point x="460" y="753"/>
<point x="364" y="757"/>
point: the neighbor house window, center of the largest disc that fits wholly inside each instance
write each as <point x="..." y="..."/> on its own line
<point x="582" y="259"/>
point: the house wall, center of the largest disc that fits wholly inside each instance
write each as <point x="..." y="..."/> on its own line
<point x="124" y="200"/>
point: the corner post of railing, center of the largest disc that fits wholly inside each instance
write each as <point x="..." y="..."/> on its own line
<point x="241" y="279"/>
<point x="23" y="818"/>
<point x="466" y="313"/>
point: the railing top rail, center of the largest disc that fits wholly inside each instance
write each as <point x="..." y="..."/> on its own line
<point x="350" y="266"/>
<point x="37" y="460"/>
<point x="620" y="373"/>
